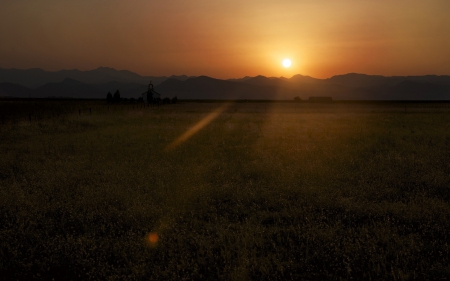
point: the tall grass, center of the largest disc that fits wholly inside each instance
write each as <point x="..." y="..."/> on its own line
<point x="263" y="192"/>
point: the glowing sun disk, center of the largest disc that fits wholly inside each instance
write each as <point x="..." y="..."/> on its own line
<point x="287" y="63"/>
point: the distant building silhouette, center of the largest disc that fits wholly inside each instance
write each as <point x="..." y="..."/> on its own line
<point x="151" y="96"/>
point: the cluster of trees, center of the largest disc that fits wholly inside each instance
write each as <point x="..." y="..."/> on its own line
<point x="113" y="99"/>
<point x="110" y="98"/>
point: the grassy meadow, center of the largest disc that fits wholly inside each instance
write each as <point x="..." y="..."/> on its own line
<point x="253" y="191"/>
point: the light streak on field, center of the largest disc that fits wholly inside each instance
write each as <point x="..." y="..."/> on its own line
<point x="197" y="127"/>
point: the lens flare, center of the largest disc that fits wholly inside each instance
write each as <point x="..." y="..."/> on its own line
<point x="197" y="127"/>
<point x="153" y="237"/>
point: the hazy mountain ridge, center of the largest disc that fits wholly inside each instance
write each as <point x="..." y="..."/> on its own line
<point x="14" y="90"/>
<point x="70" y="88"/>
<point x="98" y="82"/>
<point x="204" y="87"/>
<point x="34" y="78"/>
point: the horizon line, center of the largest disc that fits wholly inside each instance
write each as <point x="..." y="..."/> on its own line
<point x="195" y="76"/>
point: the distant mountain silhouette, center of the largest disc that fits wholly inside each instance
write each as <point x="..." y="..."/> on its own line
<point x="69" y="88"/>
<point x="356" y="80"/>
<point x="205" y="87"/>
<point x="240" y="79"/>
<point x="264" y="81"/>
<point x="351" y="86"/>
<point x="417" y="90"/>
<point x="355" y="86"/>
<point x="127" y="90"/>
<point x="98" y="82"/>
<point x="301" y="79"/>
<point x="15" y="90"/>
<point x="178" y="77"/>
<point x="34" y="78"/>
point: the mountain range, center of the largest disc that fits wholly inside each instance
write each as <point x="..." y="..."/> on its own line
<point x="95" y="84"/>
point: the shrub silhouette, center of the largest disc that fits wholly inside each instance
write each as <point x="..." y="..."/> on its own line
<point x="175" y="99"/>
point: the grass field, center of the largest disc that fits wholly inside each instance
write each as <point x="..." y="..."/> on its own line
<point x="255" y="191"/>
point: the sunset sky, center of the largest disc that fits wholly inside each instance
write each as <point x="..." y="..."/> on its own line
<point x="228" y="39"/>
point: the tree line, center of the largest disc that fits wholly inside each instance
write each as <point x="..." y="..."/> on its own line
<point x="110" y="98"/>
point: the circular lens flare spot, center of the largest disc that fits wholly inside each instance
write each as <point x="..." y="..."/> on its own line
<point x="287" y="63"/>
<point x="153" y="238"/>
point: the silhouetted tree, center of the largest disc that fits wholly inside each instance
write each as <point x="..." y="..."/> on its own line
<point x="132" y="100"/>
<point x="297" y="99"/>
<point x="166" y="101"/>
<point x="109" y="97"/>
<point x="117" y="96"/>
<point x="175" y="99"/>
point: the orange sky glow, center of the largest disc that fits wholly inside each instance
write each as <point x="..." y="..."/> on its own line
<point x="228" y="39"/>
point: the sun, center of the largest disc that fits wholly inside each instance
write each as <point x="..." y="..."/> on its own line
<point x="287" y="63"/>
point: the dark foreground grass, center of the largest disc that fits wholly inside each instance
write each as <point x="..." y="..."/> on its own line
<point x="263" y="192"/>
